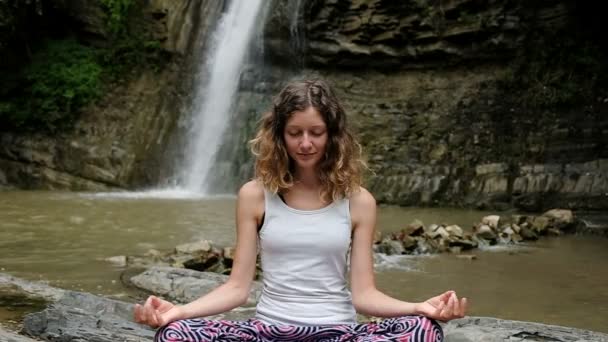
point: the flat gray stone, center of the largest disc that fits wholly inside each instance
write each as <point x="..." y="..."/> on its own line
<point x="78" y="317"/>
<point x="9" y="336"/>
<point x="183" y="285"/>
<point x="487" y="329"/>
<point x="34" y="289"/>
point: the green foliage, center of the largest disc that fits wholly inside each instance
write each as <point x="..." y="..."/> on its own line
<point x="130" y="45"/>
<point x="63" y="77"/>
<point x="118" y="12"/>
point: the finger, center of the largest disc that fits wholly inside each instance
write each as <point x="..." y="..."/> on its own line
<point x="446" y="295"/>
<point x="160" y="304"/>
<point x="137" y="313"/>
<point x="449" y="308"/>
<point x="155" y="302"/>
<point x="456" y="306"/>
<point x="154" y="318"/>
<point x="148" y="311"/>
<point x="464" y="307"/>
<point x="440" y="307"/>
<point x="159" y="318"/>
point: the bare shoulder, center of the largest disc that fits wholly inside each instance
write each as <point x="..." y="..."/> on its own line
<point x="363" y="209"/>
<point x="252" y="192"/>
<point x="362" y="199"/>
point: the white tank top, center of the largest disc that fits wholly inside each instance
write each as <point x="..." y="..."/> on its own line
<point x="304" y="260"/>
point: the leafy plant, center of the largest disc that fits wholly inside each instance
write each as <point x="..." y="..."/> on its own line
<point x="118" y="12"/>
<point x="130" y="43"/>
<point x="63" y="77"/>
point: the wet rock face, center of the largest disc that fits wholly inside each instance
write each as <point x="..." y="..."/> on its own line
<point x="448" y="138"/>
<point x="421" y="81"/>
<point x="172" y="22"/>
<point x="119" y="141"/>
<point x="396" y="34"/>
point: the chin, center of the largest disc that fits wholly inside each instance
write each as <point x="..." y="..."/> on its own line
<point x="307" y="164"/>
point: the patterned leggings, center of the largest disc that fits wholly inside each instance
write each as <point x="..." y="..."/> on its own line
<point x="407" y="328"/>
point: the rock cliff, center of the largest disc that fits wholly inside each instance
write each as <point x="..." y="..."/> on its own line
<point x="119" y="141"/>
<point x="456" y="102"/>
<point x="489" y="104"/>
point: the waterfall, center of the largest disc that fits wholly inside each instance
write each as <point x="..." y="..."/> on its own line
<point x="216" y="91"/>
<point x="296" y="31"/>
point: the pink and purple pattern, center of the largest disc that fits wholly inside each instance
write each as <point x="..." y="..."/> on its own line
<point x="406" y="329"/>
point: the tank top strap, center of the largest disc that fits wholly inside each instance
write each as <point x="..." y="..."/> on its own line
<point x="344" y="205"/>
<point x="272" y="204"/>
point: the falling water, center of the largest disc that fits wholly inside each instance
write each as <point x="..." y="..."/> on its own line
<point x="214" y="97"/>
<point x="296" y="32"/>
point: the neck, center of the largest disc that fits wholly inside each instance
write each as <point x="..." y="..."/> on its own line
<point x="307" y="177"/>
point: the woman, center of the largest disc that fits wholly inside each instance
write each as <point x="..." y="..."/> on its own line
<point x="306" y="209"/>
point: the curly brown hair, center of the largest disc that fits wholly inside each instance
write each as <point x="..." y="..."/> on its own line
<point x="340" y="171"/>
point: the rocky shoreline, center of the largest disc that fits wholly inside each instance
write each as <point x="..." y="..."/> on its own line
<point x="190" y="270"/>
<point x="77" y="316"/>
<point x="415" y="238"/>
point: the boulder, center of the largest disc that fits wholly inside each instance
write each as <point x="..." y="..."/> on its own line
<point x="9" y="336"/>
<point x="491" y="220"/>
<point x="465" y="243"/>
<point x="455" y="230"/>
<point x="77" y="316"/>
<point x="11" y="284"/>
<point x="485" y="232"/>
<point x="561" y="219"/>
<point x="390" y="247"/>
<point x="415" y="228"/>
<point x="540" y="224"/>
<point x="528" y="234"/>
<point x="84" y="317"/>
<point x="487" y="329"/>
<point x="197" y="247"/>
<point x="439" y="232"/>
<point x="183" y="285"/>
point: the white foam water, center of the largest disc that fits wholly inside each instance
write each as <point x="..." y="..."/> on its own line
<point x="216" y="94"/>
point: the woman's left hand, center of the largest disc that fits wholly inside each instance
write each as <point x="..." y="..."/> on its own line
<point x="445" y="307"/>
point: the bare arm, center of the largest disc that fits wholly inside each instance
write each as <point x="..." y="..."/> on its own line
<point x="367" y="299"/>
<point x="233" y="293"/>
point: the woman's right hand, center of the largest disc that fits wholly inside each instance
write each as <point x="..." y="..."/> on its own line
<point x="156" y="312"/>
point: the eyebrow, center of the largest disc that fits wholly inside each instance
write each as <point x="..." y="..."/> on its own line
<point x="313" y="127"/>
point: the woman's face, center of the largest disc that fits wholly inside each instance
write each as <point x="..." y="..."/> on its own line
<point x="305" y="137"/>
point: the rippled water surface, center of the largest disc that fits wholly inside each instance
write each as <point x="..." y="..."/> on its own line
<point x="63" y="239"/>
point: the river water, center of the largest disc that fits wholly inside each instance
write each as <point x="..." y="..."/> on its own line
<point x="63" y="239"/>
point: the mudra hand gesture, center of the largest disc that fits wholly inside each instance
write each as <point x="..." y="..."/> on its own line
<point x="445" y="307"/>
<point x="155" y="312"/>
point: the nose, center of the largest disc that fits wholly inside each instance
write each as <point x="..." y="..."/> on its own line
<point x="306" y="143"/>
